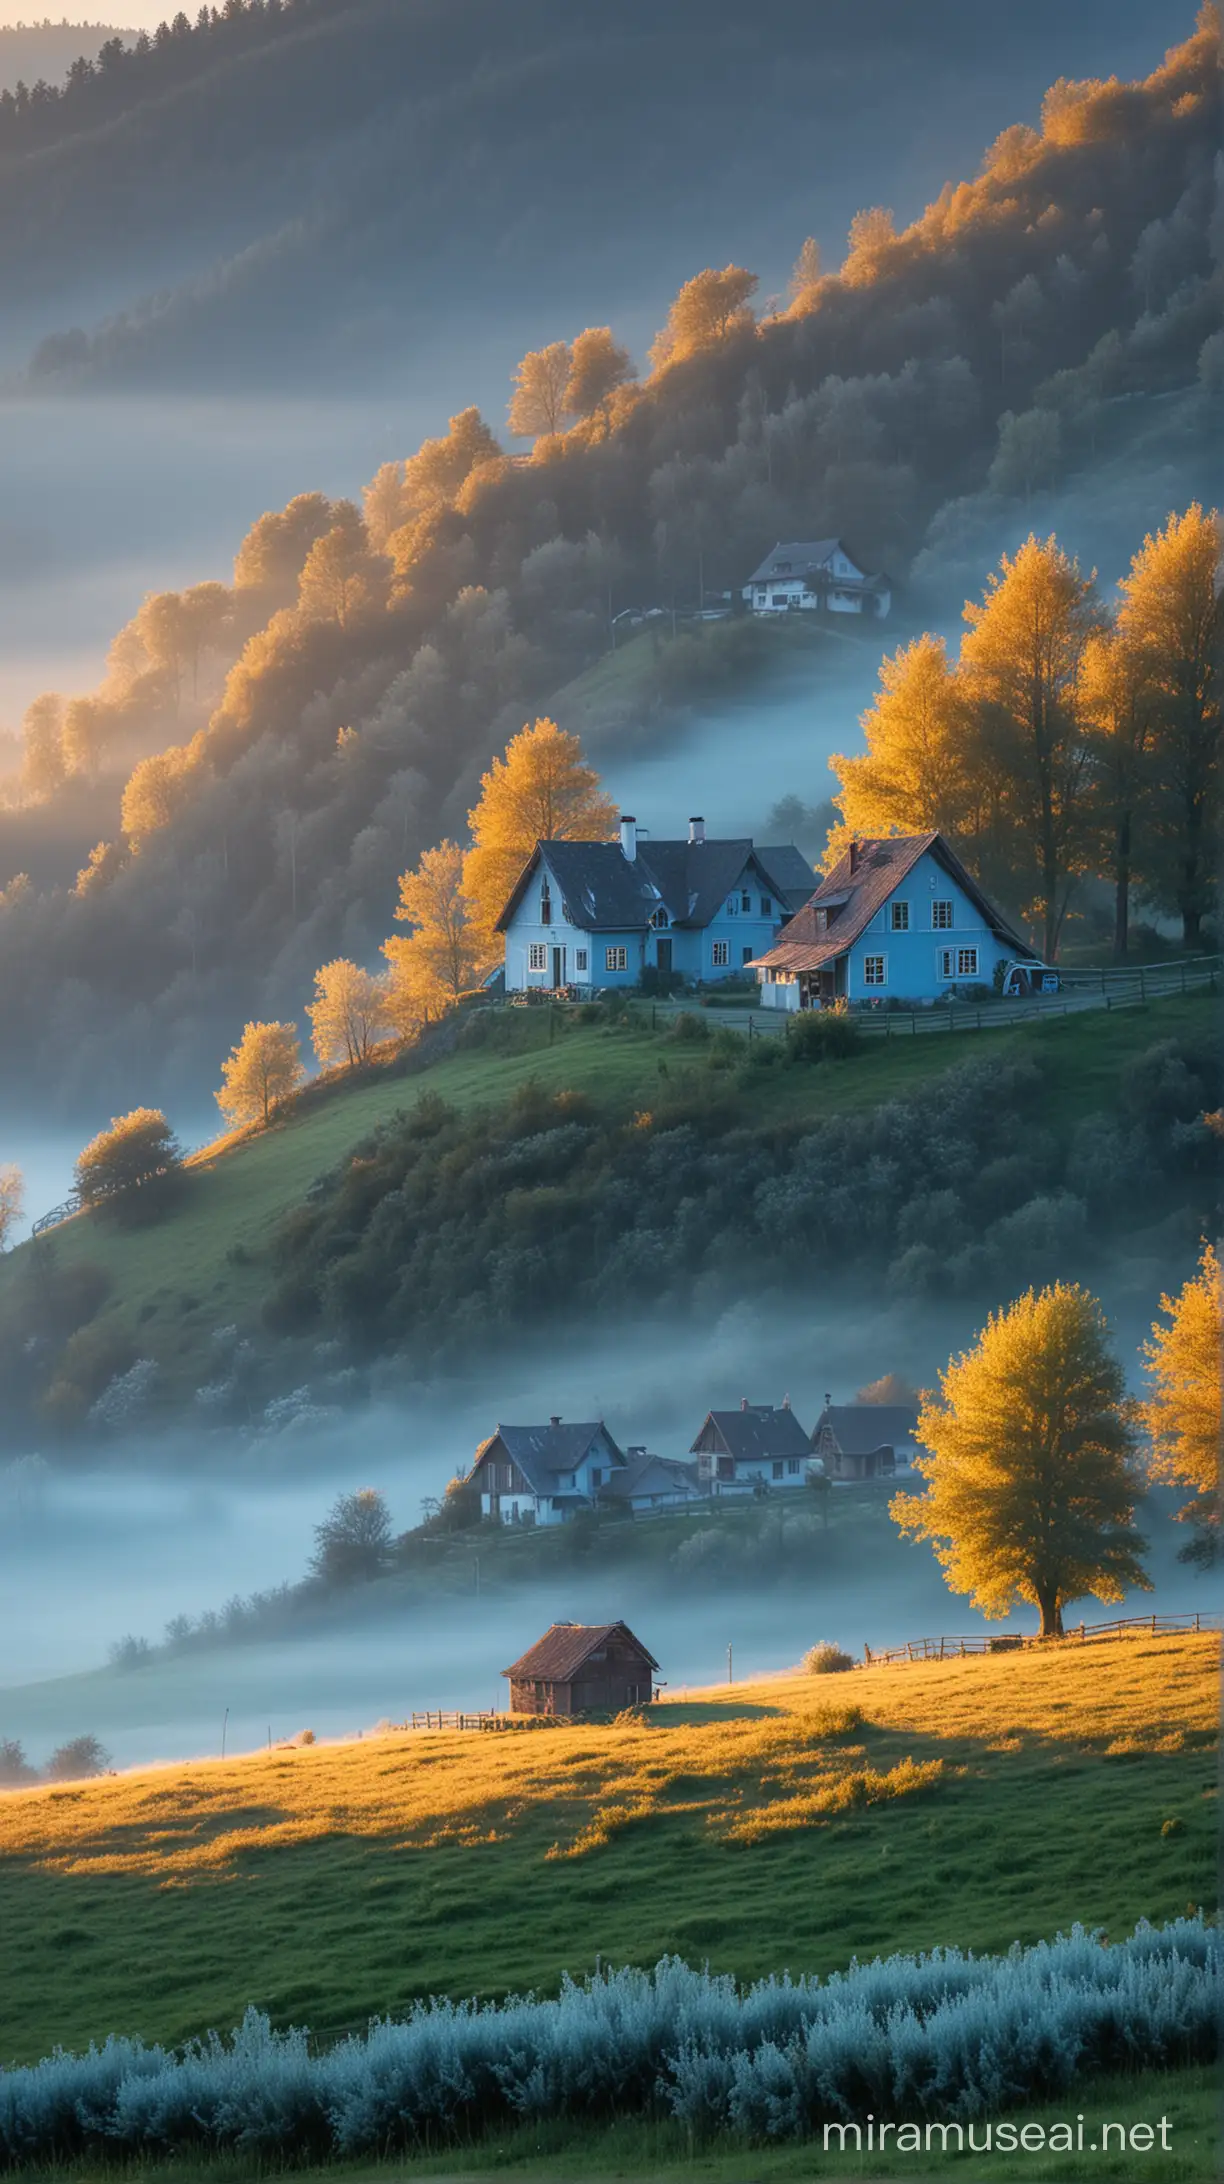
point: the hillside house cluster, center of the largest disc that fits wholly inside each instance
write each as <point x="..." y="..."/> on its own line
<point x="898" y="918"/>
<point x="546" y="1474"/>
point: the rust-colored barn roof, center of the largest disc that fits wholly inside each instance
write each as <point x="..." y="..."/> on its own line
<point x="859" y="886"/>
<point x="561" y="1652"/>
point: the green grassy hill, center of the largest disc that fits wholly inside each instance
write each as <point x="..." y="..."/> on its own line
<point x="205" y="1263"/>
<point x="791" y="1823"/>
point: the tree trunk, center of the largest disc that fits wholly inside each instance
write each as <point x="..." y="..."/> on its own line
<point x="1122" y="872"/>
<point x="1051" y="1610"/>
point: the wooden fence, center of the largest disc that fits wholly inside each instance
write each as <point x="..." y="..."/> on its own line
<point x="953" y="1649"/>
<point x="439" y="1718"/>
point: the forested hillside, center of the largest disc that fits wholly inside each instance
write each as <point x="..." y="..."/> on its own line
<point x="44" y="52"/>
<point x="310" y="184"/>
<point x="325" y="717"/>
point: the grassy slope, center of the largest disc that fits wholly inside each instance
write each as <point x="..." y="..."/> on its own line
<point x="331" y="1882"/>
<point x="201" y="1267"/>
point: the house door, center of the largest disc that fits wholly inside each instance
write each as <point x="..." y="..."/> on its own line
<point x="663" y="954"/>
<point x="828" y="987"/>
<point x="558" y="960"/>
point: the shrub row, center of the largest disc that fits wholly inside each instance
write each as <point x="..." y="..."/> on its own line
<point x="944" y="2035"/>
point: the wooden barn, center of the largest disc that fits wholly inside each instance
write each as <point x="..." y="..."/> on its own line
<point x="582" y="1668"/>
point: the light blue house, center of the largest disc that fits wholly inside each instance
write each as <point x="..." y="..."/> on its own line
<point x="597" y="914"/>
<point x="896" y="919"/>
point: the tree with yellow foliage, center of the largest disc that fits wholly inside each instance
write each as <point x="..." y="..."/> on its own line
<point x="803" y="288"/>
<point x="447" y="951"/>
<point x="541" y="791"/>
<point x="1019" y="668"/>
<point x="156" y="790"/>
<point x="12" y="1199"/>
<point x="1182" y="1413"/>
<point x="349" y="1012"/>
<point x="1115" y="698"/>
<point x="1171" y="622"/>
<point x="708" y="310"/>
<point x="916" y="770"/>
<point x="1030" y="1477"/>
<point x="264" y="1068"/>
<point x="598" y="366"/>
<point x="538" y="403"/>
<point x="137" y="1151"/>
<point x="341" y="578"/>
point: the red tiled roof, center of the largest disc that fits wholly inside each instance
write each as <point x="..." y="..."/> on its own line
<point x="857" y="892"/>
<point x="560" y="1653"/>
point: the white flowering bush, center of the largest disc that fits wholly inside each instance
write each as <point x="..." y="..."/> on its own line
<point x="126" y="1396"/>
<point x="945" y="2035"/>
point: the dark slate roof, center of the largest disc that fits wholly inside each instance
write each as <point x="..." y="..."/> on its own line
<point x="541" y="1452"/>
<point x="648" y="1474"/>
<point x="859" y="1429"/>
<point x="800" y="555"/>
<point x="857" y="894"/>
<point x="561" y="1652"/>
<point x="788" y="868"/>
<point x="760" y="1432"/>
<point x="607" y="891"/>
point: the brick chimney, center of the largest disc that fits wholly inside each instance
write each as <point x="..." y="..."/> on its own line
<point x="786" y="1402"/>
<point x="628" y="834"/>
<point x="554" y="1421"/>
<point x="743" y="1402"/>
<point x="856" y="851"/>
<point x="828" y="1400"/>
<point x="696" y="830"/>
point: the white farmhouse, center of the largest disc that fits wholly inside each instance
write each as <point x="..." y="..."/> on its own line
<point x="815" y="576"/>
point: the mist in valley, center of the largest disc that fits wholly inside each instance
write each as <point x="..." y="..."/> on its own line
<point x="120" y="1541"/>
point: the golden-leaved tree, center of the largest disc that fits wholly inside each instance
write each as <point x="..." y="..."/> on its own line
<point x="917" y="771"/>
<point x="1115" y="698"/>
<point x="1171" y="621"/>
<point x="138" y="1149"/>
<point x="1182" y="1412"/>
<point x="598" y="366"/>
<point x="264" y="1068"/>
<point x="445" y="954"/>
<point x="350" y="1012"/>
<point x="708" y="310"/>
<point x="1020" y="666"/>
<point x="542" y="790"/>
<point x="1030" y="1474"/>
<point x="12" y="1199"/>
<point x="538" y="403"/>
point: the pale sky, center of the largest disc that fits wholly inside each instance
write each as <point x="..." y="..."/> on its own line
<point x="124" y="15"/>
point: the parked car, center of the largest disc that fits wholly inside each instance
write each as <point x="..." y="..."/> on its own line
<point x="1020" y="979"/>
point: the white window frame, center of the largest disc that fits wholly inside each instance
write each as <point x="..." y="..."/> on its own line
<point x="580" y="959"/>
<point x="899" y="918"/>
<point x="720" y="955"/>
<point x="966" y="962"/>
<point x="537" y="955"/>
<point x="616" y="959"/>
<point x="945" y="965"/>
<point x="868" y="961"/>
<point x="767" y="906"/>
<point x="940" y="923"/>
<point x="733" y="906"/>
